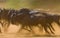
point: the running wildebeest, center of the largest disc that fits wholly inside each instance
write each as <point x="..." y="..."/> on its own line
<point x="34" y="21"/>
<point x="4" y="18"/>
<point x="28" y="18"/>
<point x="41" y="19"/>
<point x="50" y="19"/>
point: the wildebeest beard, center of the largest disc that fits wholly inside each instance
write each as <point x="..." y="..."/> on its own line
<point x="23" y="17"/>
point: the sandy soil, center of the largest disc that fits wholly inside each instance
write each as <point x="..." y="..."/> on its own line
<point x="12" y="32"/>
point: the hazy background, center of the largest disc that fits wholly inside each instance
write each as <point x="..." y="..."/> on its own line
<point x="45" y="4"/>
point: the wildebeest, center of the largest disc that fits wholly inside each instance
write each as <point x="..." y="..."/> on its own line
<point x="49" y="20"/>
<point x="4" y="18"/>
<point x="41" y="19"/>
<point x="28" y="18"/>
<point x="23" y="17"/>
<point x="45" y="20"/>
<point x="30" y="22"/>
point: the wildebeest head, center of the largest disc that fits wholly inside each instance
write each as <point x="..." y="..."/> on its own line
<point x="24" y="11"/>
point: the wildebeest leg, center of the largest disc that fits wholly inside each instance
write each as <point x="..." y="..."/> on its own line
<point x="0" y="30"/>
<point x="45" y="26"/>
<point x="40" y="27"/>
<point x="6" y="26"/>
<point x="50" y="29"/>
<point x="1" y="23"/>
<point x="1" y="26"/>
<point x="31" y="29"/>
<point x="27" y="28"/>
<point x="49" y="24"/>
<point x="23" y="27"/>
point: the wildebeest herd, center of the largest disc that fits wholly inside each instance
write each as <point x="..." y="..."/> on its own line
<point x="28" y="19"/>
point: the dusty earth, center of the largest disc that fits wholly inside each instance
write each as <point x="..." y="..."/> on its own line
<point x="12" y="32"/>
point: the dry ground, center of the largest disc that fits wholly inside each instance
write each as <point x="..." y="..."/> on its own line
<point x="12" y="32"/>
